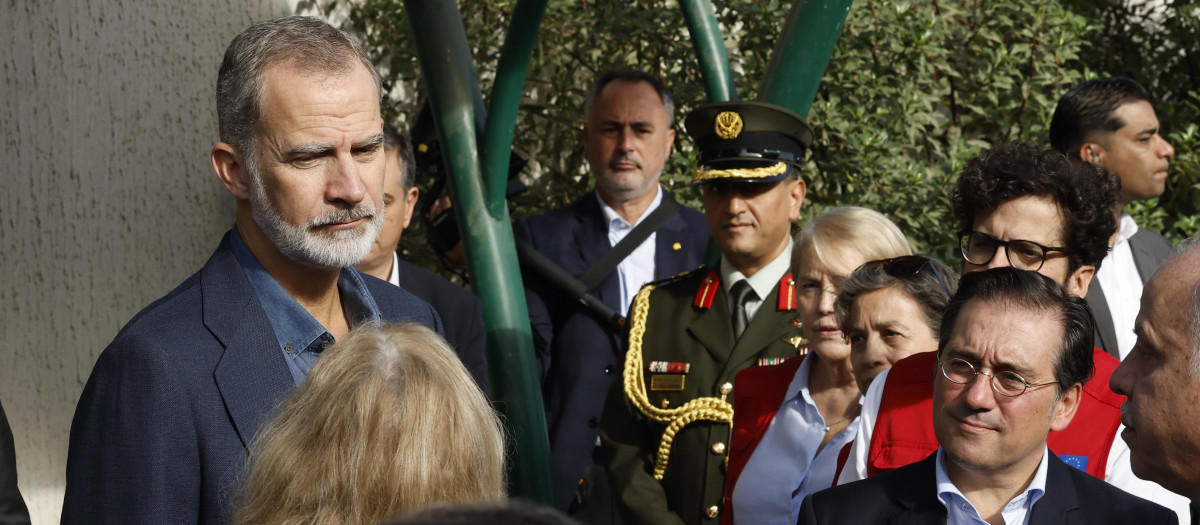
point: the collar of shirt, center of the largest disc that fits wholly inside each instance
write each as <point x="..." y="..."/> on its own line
<point x="959" y="510"/>
<point x="637" y="268"/>
<point x="619" y="226"/>
<point x="786" y="465"/>
<point x="1126" y="228"/>
<point x="763" y="282"/>
<point x="394" y="277"/>
<point x="301" y="338"/>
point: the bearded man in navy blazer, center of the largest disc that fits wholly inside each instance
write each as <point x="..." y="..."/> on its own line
<point x="628" y="137"/>
<point x="161" y="429"/>
<point x="1014" y="352"/>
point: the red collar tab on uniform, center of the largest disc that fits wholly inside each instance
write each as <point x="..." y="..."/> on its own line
<point x="708" y="290"/>
<point x="787" y="294"/>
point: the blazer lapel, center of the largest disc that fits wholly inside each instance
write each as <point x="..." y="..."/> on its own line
<point x="1106" y="333"/>
<point x="252" y="375"/>
<point x="671" y="246"/>
<point x="713" y="329"/>
<point x="768" y="326"/>
<point x="591" y="238"/>
<point x="918" y="496"/>
<point x="1057" y="504"/>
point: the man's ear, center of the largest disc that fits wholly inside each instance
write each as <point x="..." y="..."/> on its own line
<point x="1092" y="152"/>
<point x="1078" y="282"/>
<point x="1064" y="410"/>
<point x="410" y="204"/>
<point x="231" y="170"/>
<point x="798" y="192"/>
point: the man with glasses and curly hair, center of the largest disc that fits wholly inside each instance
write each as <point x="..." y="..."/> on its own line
<point x="1033" y="209"/>
<point x="1014" y="353"/>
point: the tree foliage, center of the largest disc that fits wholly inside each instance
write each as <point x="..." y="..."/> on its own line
<point x="913" y="90"/>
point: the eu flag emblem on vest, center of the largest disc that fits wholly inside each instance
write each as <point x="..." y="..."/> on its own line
<point x="1079" y="462"/>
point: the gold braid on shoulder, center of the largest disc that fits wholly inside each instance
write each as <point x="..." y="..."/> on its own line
<point x="702" y="408"/>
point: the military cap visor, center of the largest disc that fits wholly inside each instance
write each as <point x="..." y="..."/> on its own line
<point x="747" y="141"/>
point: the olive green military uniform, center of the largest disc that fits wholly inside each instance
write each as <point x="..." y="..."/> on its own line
<point x="674" y="332"/>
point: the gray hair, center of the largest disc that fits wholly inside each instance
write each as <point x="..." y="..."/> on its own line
<point x="1186" y="246"/>
<point x="632" y="76"/>
<point x="303" y="42"/>
<point x="399" y="141"/>
<point x="923" y="287"/>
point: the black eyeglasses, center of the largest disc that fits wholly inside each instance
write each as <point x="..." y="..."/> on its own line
<point x="1007" y="383"/>
<point x="908" y="266"/>
<point x="980" y="248"/>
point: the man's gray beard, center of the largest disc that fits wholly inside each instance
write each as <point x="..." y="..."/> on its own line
<point x="326" y="251"/>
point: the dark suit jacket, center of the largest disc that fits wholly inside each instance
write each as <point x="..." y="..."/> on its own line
<point x="461" y="313"/>
<point x="908" y="495"/>
<point x="1149" y="251"/>
<point x="161" y="429"/>
<point x="12" y="505"/>
<point x="582" y="353"/>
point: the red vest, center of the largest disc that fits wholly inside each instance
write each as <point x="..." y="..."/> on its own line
<point x="760" y="391"/>
<point x="903" y="431"/>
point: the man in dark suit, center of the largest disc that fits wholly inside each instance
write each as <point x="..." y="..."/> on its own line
<point x="628" y="137"/>
<point x="665" y="428"/>
<point x="460" y="310"/>
<point x="1014" y="352"/>
<point x="161" y="430"/>
<point x="1111" y="123"/>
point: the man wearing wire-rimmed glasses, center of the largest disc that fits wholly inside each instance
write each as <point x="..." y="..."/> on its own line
<point x="1014" y="352"/>
<point x="1030" y="208"/>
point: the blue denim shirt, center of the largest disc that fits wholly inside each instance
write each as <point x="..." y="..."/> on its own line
<point x="301" y="337"/>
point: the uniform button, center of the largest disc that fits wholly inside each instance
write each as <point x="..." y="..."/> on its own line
<point x="608" y="370"/>
<point x="718" y="448"/>
<point x="666" y="403"/>
<point x="712" y="512"/>
<point x="726" y="388"/>
<point x="593" y="423"/>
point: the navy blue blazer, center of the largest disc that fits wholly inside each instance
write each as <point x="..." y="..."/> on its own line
<point x="161" y="429"/>
<point x="908" y="496"/>
<point x="582" y="354"/>
<point x="461" y="313"/>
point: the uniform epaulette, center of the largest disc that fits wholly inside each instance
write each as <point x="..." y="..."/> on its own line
<point x="679" y="276"/>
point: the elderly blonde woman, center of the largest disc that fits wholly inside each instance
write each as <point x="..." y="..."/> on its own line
<point x="388" y="420"/>
<point x="791" y="420"/>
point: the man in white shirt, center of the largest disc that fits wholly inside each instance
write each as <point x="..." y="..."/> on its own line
<point x="1111" y="123"/>
<point x="1013" y="355"/>
<point x="628" y="135"/>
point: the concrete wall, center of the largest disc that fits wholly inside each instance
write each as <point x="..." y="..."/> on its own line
<point x="106" y="118"/>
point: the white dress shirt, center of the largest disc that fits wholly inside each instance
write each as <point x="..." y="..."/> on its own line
<point x="638" y="267"/>
<point x="1122" y="284"/>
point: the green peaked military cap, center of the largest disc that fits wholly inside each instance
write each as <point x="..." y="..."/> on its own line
<point x="747" y="141"/>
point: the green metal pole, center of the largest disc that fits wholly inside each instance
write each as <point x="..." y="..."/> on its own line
<point x="800" y="56"/>
<point x="710" y="50"/>
<point x="511" y="70"/>
<point x="446" y="66"/>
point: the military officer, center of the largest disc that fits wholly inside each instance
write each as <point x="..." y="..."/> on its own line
<point x="665" y="426"/>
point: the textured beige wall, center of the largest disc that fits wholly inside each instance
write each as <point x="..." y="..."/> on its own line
<point x="108" y="202"/>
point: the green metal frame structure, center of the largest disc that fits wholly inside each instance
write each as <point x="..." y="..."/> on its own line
<point x="477" y="146"/>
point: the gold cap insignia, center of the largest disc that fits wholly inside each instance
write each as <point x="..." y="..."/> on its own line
<point x="728" y="124"/>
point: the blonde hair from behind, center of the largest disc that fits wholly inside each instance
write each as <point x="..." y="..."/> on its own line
<point x="388" y="420"/>
<point x="849" y="229"/>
